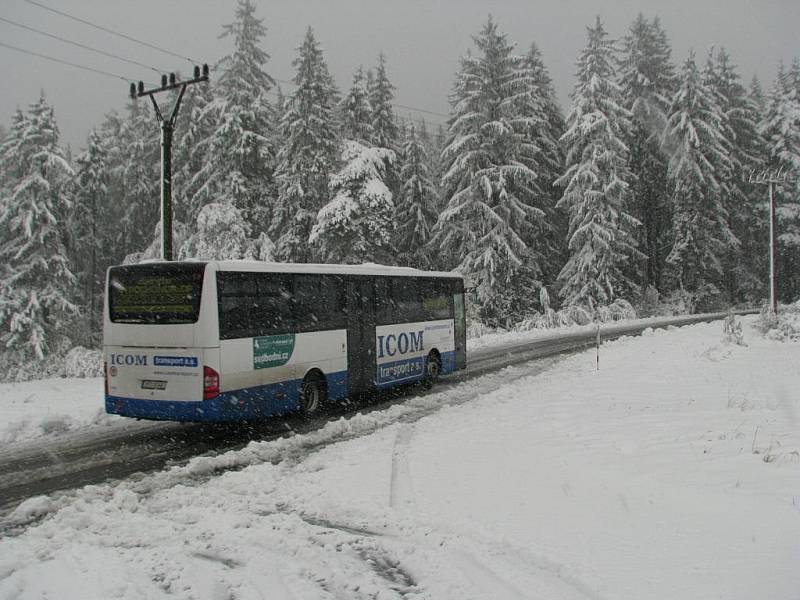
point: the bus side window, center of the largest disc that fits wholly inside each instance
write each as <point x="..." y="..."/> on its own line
<point x="437" y="300"/>
<point x="275" y="298"/>
<point x="386" y="312"/>
<point x="237" y="301"/>
<point x="407" y="299"/>
<point x="333" y="300"/>
<point x="309" y="303"/>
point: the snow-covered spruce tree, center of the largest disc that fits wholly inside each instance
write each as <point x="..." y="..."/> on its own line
<point x="744" y="264"/>
<point x="356" y="226"/>
<point x="781" y="130"/>
<point x="596" y="190"/>
<point x="89" y="234"/>
<point x="220" y="232"/>
<point x="648" y="82"/>
<point x="425" y="138"/>
<point x="433" y="144"/>
<point x="35" y="279"/>
<point x="356" y="112"/>
<point x="381" y="93"/>
<point x="540" y="106"/>
<point x="12" y="168"/>
<point x="385" y="130"/>
<point x="193" y="166"/>
<point x="308" y="154"/>
<point x="789" y="213"/>
<point x="241" y="159"/>
<point x="140" y="175"/>
<point x="416" y="205"/>
<point x="757" y="96"/>
<point x="491" y="212"/>
<point x="695" y="141"/>
<point x="114" y="133"/>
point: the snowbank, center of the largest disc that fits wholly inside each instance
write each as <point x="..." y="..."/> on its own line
<point x="480" y="338"/>
<point x="670" y="473"/>
<point x="32" y="409"/>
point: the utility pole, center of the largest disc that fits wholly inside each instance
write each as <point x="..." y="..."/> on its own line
<point x="167" y="129"/>
<point x="770" y="178"/>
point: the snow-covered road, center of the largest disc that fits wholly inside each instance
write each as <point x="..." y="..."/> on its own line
<point x="671" y="473"/>
<point x="57" y="437"/>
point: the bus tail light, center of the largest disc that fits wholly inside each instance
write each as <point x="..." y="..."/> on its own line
<point x="210" y="383"/>
<point x="105" y="374"/>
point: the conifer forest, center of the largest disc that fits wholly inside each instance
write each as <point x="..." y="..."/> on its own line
<point x="638" y="190"/>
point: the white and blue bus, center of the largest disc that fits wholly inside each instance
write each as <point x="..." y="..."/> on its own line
<point x="234" y="340"/>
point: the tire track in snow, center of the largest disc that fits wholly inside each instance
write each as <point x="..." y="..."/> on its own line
<point x="483" y="578"/>
<point x="388" y="569"/>
<point x="401" y="488"/>
<point x="289" y="451"/>
<point x="379" y="548"/>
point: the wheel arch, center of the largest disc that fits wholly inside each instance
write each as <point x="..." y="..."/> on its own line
<point x="434" y="352"/>
<point x="315" y="373"/>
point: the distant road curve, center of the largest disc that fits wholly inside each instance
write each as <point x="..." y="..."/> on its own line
<point x="72" y="461"/>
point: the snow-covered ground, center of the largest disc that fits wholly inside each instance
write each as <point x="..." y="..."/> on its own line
<point x="671" y="473"/>
<point x="51" y="407"/>
<point x="516" y="336"/>
<point x="48" y="407"/>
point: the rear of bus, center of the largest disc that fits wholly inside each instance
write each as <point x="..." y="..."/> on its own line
<point x="161" y="342"/>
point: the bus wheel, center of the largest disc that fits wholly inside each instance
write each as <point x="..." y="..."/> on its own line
<point x="433" y="368"/>
<point x="312" y="394"/>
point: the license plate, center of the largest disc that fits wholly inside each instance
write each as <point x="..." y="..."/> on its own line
<point x="153" y="384"/>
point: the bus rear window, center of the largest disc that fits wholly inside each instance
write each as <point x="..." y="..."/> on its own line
<point x="155" y="294"/>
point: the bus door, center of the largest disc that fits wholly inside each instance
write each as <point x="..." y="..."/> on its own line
<point x="361" y="366"/>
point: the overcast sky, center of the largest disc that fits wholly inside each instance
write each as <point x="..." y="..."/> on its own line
<point x="422" y="41"/>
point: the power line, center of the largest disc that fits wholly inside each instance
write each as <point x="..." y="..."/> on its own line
<point x="111" y="31"/>
<point x="79" y="45"/>
<point x="154" y="47"/>
<point x="421" y="110"/>
<point x="66" y="62"/>
<point x="394" y="104"/>
<point x="418" y="121"/>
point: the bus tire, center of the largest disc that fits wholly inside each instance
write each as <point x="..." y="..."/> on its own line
<point x="433" y="368"/>
<point x="313" y="394"/>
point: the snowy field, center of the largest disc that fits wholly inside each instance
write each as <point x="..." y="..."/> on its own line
<point x="671" y="473"/>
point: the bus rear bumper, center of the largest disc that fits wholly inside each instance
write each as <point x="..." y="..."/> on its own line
<point x="236" y="405"/>
<point x="226" y="407"/>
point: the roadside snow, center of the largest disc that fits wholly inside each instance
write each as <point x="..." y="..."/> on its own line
<point x="670" y="473"/>
<point x="504" y="338"/>
<point x="47" y="407"/>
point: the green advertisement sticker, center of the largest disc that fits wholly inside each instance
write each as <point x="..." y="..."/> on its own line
<point x="272" y="350"/>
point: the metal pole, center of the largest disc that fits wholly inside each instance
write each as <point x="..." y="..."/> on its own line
<point x="773" y="300"/>
<point x="767" y="177"/>
<point x="166" y="189"/>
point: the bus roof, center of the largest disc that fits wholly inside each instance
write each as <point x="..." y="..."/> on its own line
<point x="273" y="267"/>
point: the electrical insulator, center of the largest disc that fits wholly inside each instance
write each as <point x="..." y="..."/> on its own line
<point x="163" y="81"/>
<point x="133" y="90"/>
<point x="141" y="87"/>
<point x="196" y="72"/>
<point x="172" y="78"/>
<point x="205" y="70"/>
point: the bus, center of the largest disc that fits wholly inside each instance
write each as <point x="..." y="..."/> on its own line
<point x="221" y="341"/>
